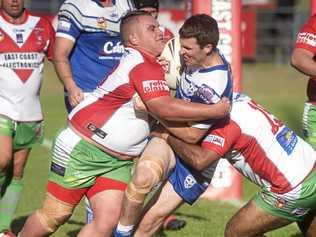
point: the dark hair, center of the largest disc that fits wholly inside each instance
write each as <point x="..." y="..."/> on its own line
<point x="146" y="3"/>
<point x="202" y="27"/>
<point x="130" y="17"/>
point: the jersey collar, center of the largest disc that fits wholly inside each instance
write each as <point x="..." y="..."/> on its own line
<point x="98" y="2"/>
<point x="26" y="14"/>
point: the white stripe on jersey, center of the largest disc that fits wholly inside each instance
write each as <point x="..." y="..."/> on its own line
<point x="86" y="13"/>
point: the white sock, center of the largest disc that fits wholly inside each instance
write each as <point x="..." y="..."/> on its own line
<point x="124" y="228"/>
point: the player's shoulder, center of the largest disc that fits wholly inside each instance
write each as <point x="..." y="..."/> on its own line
<point x="78" y="8"/>
<point x="124" y="5"/>
<point x="310" y="24"/>
<point x="42" y="19"/>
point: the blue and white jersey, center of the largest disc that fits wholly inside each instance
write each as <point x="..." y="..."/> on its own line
<point x="206" y="85"/>
<point x="95" y="30"/>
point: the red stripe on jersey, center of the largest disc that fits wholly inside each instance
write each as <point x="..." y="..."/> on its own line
<point x="23" y="74"/>
<point x="100" y="111"/>
<point x="260" y="163"/>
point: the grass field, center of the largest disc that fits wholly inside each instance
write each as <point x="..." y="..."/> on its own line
<point x="279" y="88"/>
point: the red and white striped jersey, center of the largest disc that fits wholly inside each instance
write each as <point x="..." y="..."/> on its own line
<point x="261" y="147"/>
<point x="107" y="116"/>
<point x="22" y="51"/>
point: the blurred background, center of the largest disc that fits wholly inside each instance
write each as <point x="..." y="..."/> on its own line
<point x="268" y="27"/>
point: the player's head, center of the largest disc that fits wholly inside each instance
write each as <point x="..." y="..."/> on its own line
<point x="202" y="27"/>
<point x="13" y="8"/>
<point x="150" y="6"/>
<point x="141" y="31"/>
<point x="199" y="36"/>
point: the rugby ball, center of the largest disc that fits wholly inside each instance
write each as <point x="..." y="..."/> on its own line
<point x="171" y="54"/>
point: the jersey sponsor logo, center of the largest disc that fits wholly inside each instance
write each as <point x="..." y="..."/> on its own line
<point x="111" y="48"/>
<point x="38" y="31"/>
<point x="217" y="140"/>
<point x="19" y="38"/>
<point x="101" y="23"/>
<point x="97" y="131"/>
<point x="155" y="86"/>
<point x="20" y="60"/>
<point x="280" y="203"/>
<point x="205" y="93"/>
<point x="189" y="181"/>
<point x="300" y="211"/>
<point x="63" y="25"/>
<point x="287" y="140"/>
<point x="58" y="169"/>
<point x="306" y="38"/>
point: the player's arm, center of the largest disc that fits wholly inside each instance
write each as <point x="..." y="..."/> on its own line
<point x="303" y="61"/>
<point x="172" y="109"/>
<point x="194" y="155"/>
<point x="62" y="51"/>
<point x="184" y="132"/>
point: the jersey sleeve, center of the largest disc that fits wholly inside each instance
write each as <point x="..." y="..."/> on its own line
<point x="69" y="21"/>
<point x="222" y="137"/>
<point x="306" y="38"/>
<point x="149" y="81"/>
<point x="51" y="40"/>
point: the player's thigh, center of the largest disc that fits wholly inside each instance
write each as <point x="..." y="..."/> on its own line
<point x="106" y="206"/>
<point x="19" y="161"/>
<point x="158" y="151"/>
<point x="243" y="224"/>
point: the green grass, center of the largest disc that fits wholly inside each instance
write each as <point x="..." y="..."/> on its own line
<point x="278" y="88"/>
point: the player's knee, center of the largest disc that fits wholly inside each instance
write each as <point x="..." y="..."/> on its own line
<point x="148" y="174"/>
<point x="53" y="214"/>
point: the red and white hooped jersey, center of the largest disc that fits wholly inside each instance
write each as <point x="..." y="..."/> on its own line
<point x="306" y="39"/>
<point x="261" y="147"/>
<point x="22" y="51"/>
<point x="107" y="116"/>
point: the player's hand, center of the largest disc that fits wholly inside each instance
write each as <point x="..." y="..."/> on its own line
<point x="223" y="108"/>
<point x="75" y="96"/>
<point x="160" y="131"/>
<point x="139" y="104"/>
<point x="164" y="63"/>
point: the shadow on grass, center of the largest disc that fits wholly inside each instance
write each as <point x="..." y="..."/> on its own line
<point x="18" y="223"/>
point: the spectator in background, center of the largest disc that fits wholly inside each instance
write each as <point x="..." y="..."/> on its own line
<point x="25" y="40"/>
<point x="303" y="59"/>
